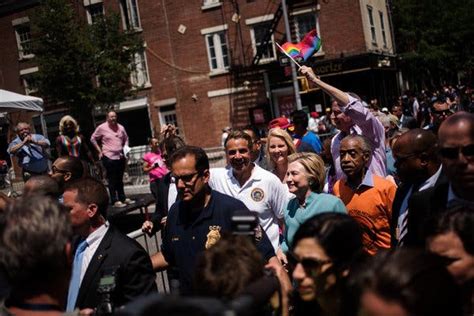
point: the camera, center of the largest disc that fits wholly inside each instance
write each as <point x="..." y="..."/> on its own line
<point x="106" y="288"/>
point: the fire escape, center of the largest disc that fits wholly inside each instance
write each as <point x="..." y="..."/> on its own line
<point x="247" y="73"/>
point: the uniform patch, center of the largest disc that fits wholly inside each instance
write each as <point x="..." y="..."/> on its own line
<point x="213" y="236"/>
<point x="258" y="233"/>
<point x="257" y="194"/>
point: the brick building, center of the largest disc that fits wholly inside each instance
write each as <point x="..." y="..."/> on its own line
<point x="210" y="64"/>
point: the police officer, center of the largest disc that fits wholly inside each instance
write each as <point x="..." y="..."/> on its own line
<point x="197" y="221"/>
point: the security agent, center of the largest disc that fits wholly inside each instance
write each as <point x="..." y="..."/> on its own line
<point x="197" y="221"/>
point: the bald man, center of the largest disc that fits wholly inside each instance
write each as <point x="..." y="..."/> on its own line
<point x="456" y="151"/>
<point x="418" y="168"/>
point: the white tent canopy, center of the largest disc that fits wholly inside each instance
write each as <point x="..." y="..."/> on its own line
<point x="12" y="102"/>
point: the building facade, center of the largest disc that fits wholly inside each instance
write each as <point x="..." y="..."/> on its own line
<point x="210" y="64"/>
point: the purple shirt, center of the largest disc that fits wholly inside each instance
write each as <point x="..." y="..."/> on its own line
<point x="111" y="141"/>
<point x="365" y="124"/>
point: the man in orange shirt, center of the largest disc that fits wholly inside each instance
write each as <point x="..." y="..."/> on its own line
<point x="368" y="197"/>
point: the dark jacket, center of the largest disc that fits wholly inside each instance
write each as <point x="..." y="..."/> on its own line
<point x="134" y="273"/>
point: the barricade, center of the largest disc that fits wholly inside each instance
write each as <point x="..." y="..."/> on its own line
<point x="152" y="244"/>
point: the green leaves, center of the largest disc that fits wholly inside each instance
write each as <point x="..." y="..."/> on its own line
<point x="81" y="65"/>
<point x="434" y="39"/>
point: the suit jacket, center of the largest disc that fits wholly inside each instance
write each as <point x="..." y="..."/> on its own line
<point x="402" y="190"/>
<point x="425" y="207"/>
<point x="134" y="275"/>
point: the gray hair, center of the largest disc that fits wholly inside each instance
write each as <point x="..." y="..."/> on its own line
<point x="34" y="232"/>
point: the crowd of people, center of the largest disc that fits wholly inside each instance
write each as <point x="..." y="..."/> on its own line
<point x="375" y="219"/>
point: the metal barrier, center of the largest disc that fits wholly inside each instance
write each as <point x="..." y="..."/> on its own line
<point x="152" y="245"/>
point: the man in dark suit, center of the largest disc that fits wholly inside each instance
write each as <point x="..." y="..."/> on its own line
<point x="100" y="249"/>
<point x="456" y="148"/>
<point x="419" y="168"/>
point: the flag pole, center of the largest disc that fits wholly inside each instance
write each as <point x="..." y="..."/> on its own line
<point x="288" y="55"/>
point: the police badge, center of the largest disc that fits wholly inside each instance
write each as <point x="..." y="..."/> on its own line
<point x="213" y="236"/>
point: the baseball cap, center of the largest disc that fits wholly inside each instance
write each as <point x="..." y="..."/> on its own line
<point x="281" y="122"/>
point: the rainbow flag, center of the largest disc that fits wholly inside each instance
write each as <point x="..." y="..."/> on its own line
<point x="310" y="44"/>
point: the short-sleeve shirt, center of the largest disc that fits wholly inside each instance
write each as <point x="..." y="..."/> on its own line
<point x="262" y="193"/>
<point x="31" y="157"/>
<point x="112" y="141"/>
<point x="371" y="205"/>
<point x="185" y="236"/>
<point x="159" y="172"/>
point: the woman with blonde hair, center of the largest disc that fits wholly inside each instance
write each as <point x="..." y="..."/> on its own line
<point x="305" y="179"/>
<point x="279" y="147"/>
<point x="70" y="142"/>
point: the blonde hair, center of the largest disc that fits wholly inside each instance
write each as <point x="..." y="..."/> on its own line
<point x="283" y="135"/>
<point x="64" y="120"/>
<point x="313" y="165"/>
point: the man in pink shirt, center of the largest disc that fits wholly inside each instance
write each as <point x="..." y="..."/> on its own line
<point x="109" y="139"/>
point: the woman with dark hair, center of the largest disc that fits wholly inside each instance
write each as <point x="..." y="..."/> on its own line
<point x="408" y="282"/>
<point x="324" y="251"/>
<point x="166" y="193"/>
<point x="452" y="237"/>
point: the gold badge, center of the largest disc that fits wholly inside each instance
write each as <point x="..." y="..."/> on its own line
<point x="257" y="194"/>
<point x="213" y="236"/>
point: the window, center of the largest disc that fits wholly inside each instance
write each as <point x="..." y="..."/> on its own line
<point x="130" y="16"/>
<point x="303" y="24"/>
<point x="23" y="38"/>
<point x="372" y="25"/>
<point x="258" y="33"/>
<point x="30" y="83"/>
<point x="95" y="12"/>
<point x="382" y="26"/>
<point x="139" y="75"/>
<point x="168" y="116"/>
<point x="217" y="51"/>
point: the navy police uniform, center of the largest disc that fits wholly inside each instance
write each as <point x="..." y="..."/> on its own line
<point x="187" y="235"/>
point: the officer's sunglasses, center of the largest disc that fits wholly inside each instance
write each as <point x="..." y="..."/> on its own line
<point x="187" y="178"/>
<point x="453" y="152"/>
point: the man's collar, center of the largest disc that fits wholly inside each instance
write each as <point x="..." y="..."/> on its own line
<point x="367" y="181"/>
<point x="204" y="212"/>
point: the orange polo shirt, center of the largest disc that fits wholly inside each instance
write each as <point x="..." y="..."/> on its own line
<point x="371" y="205"/>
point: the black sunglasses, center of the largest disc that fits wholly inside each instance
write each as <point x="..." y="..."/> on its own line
<point x="453" y="152"/>
<point x="187" y="179"/>
<point x="310" y="265"/>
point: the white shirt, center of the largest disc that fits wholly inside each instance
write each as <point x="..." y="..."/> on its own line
<point x="93" y="241"/>
<point x="172" y="193"/>
<point x="262" y="193"/>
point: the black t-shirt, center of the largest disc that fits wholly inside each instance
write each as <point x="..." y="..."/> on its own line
<point x="185" y="236"/>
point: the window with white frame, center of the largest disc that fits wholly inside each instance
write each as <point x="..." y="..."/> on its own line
<point x="372" y="25"/>
<point x="258" y="33"/>
<point x="23" y="39"/>
<point x="382" y="27"/>
<point x="139" y="75"/>
<point x="130" y="15"/>
<point x="303" y="24"/>
<point x="95" y="12"/>
<point x="168" y="116"/>
<point x="30" y="84"/>
<point x="217" y="51"/>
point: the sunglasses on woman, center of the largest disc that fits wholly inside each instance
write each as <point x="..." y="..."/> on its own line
<point x="310" y="265"/>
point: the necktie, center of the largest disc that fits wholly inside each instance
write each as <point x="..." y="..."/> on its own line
<point x="75" y="282"/>
<point x="403" y="218"/>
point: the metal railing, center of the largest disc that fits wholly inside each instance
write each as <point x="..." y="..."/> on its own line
<point x="152" y="245"/>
